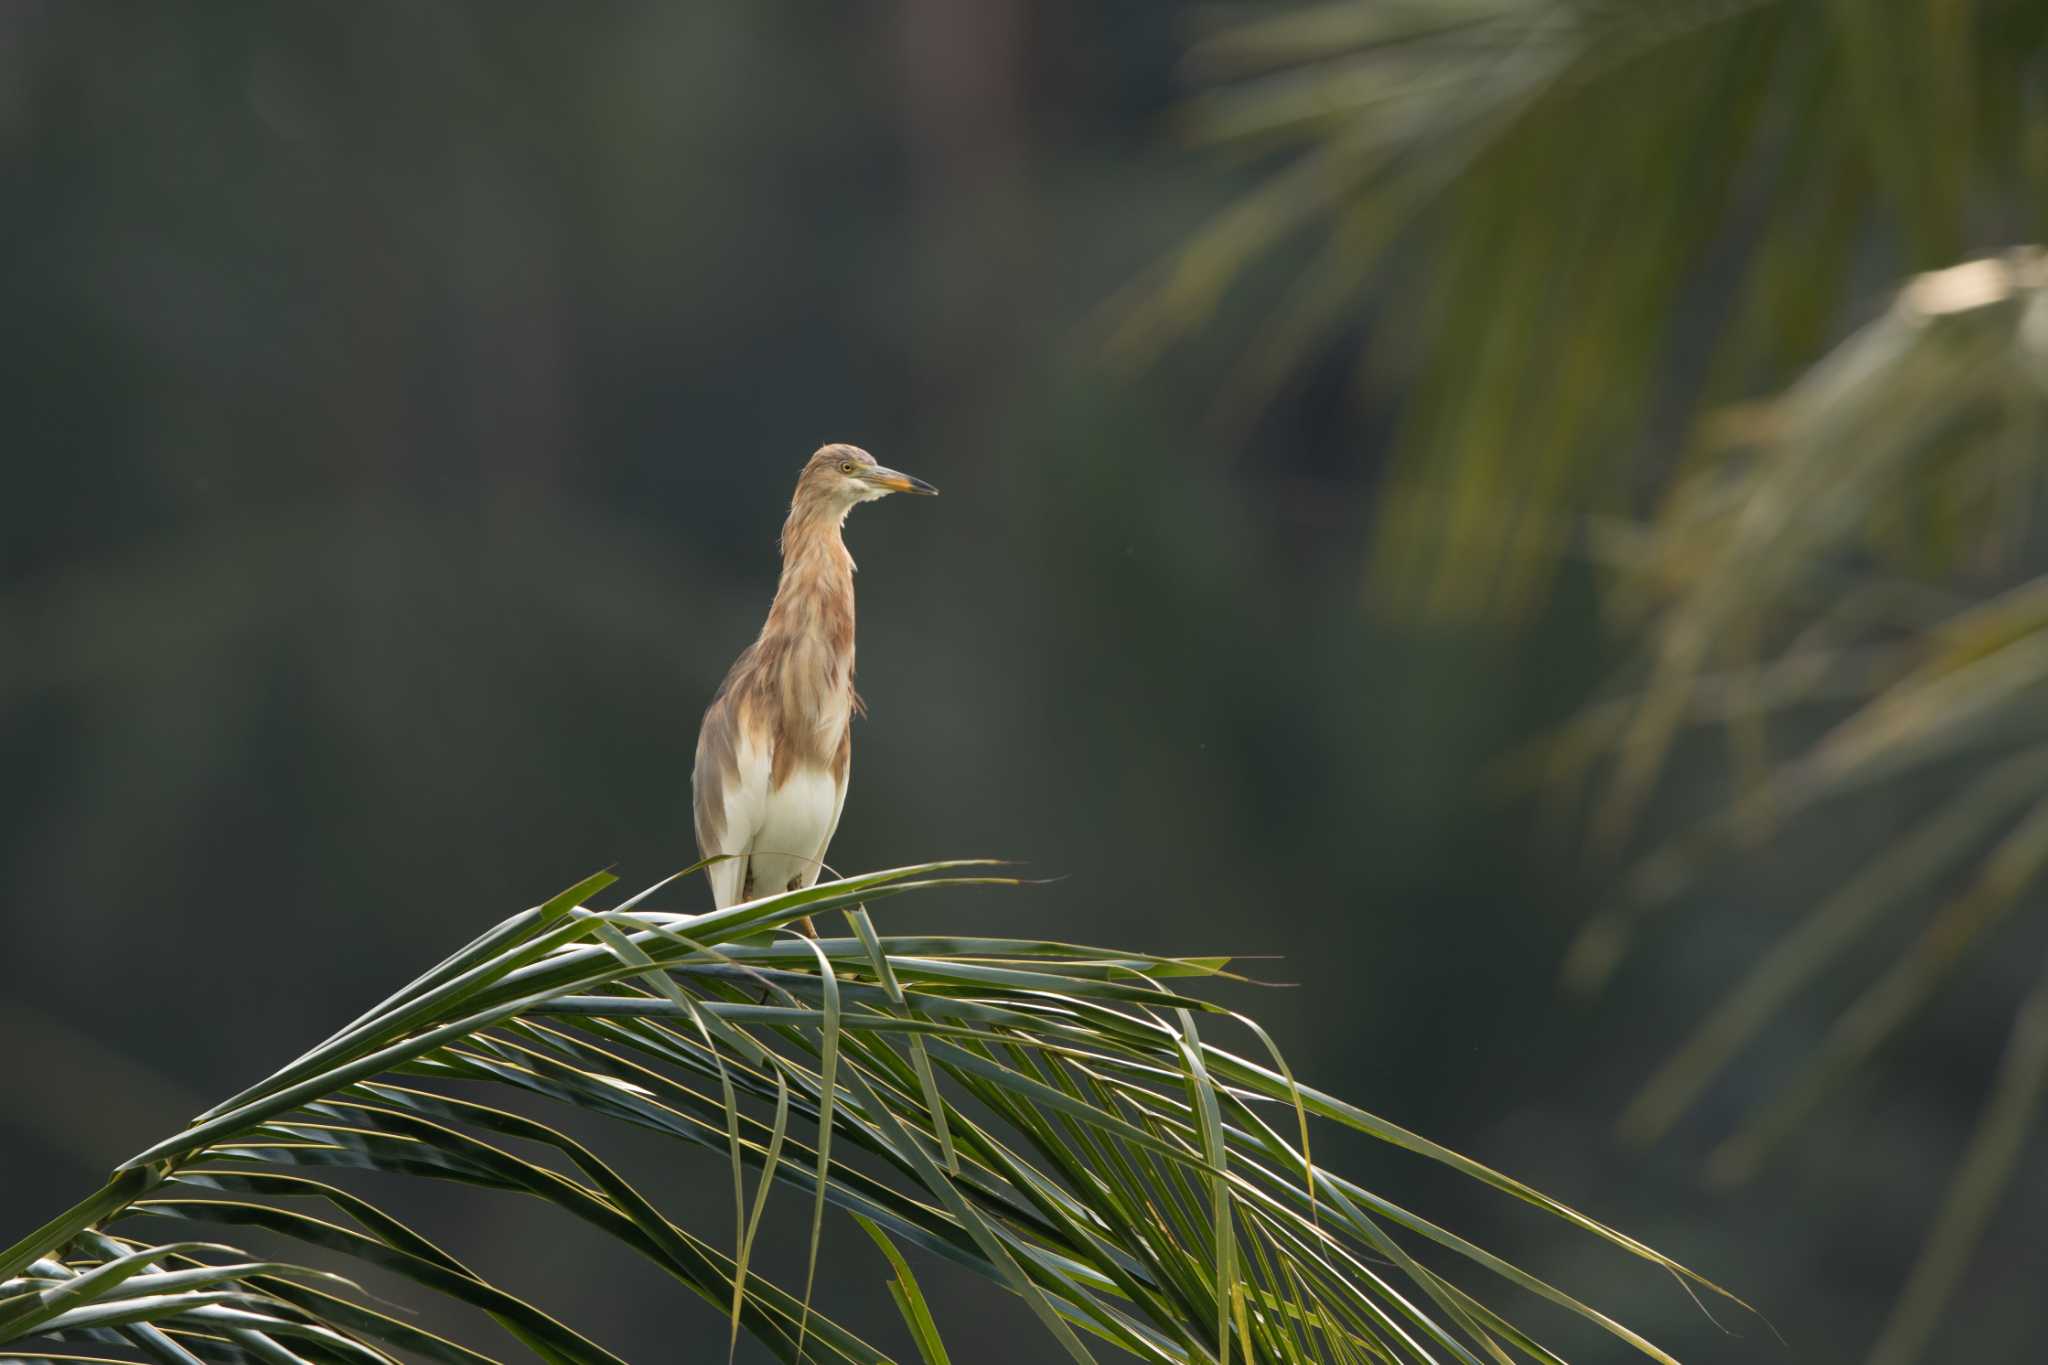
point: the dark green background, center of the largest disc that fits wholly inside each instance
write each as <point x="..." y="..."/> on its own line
<point x="398" y="404"/>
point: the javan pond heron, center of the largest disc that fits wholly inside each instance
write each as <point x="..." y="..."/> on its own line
<point x="772" y="755"/>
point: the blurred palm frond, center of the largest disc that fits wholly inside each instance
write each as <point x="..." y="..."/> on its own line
<point x="1047" y="1116"/>
<point x="1569" y="196"/>
<point x="1864" y="550"/>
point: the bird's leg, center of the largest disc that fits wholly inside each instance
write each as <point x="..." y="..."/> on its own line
<point x="809" y="932"/>
<point x="799" y="883"/>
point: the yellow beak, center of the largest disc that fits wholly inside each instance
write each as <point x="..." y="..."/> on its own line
<point x="897" y="482"/>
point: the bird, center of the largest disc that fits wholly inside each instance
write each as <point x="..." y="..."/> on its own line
<point x="774" y="749"/>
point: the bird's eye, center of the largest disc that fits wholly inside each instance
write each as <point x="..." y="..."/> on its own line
<point x="846" y="467"/>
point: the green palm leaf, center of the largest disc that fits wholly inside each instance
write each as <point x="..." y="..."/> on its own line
<point x="1857" y="551"/>
<point x="1564" y="200"/>
<point x="1044" y="1114"/>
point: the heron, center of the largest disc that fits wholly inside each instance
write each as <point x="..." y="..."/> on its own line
<point x="773" y="752"/>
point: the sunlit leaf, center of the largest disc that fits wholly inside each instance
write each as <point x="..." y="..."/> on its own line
<point x="1108" y="1167"/>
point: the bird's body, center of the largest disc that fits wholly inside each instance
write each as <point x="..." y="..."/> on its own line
<point x="776" y="743"/>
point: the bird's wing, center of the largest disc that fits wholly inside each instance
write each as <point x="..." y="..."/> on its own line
<point x="719" y="786"/>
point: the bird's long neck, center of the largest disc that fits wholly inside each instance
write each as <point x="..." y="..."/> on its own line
<point x="817" y="572"/>
<point x="807" y="643"/>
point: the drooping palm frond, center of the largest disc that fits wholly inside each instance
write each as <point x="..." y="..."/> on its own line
<point x="1577" y="195"/>
<point x="1050" y="1117"/>
<point x="1863" y="550"/>
<point x="1863" y="543"/>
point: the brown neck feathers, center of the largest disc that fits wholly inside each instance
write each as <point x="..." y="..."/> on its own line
<point x="801" y="672"/>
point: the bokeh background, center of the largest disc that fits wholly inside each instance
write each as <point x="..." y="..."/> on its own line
<point x="398" y="404"/>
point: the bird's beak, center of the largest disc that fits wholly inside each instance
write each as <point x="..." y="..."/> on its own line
<point x="898" y="483"/>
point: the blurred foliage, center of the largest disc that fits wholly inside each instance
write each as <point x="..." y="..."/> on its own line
<point x="1601" y="225"/>
<point x="1096" y="1155"/>
<point x="1864" y="548"/>
<point x="1548" y="187"/>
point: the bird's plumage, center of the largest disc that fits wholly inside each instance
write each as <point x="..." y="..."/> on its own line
<point x="776" y="744"/>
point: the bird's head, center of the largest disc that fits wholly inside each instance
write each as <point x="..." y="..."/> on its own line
<point x="839" y="476"/>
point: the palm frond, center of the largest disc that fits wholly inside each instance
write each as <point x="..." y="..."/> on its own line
<point x="1049" y="1116"/>
<point x="1863" y="551"/>
<point x="1790" y="570"/>
<point x="1547" y="184"/>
